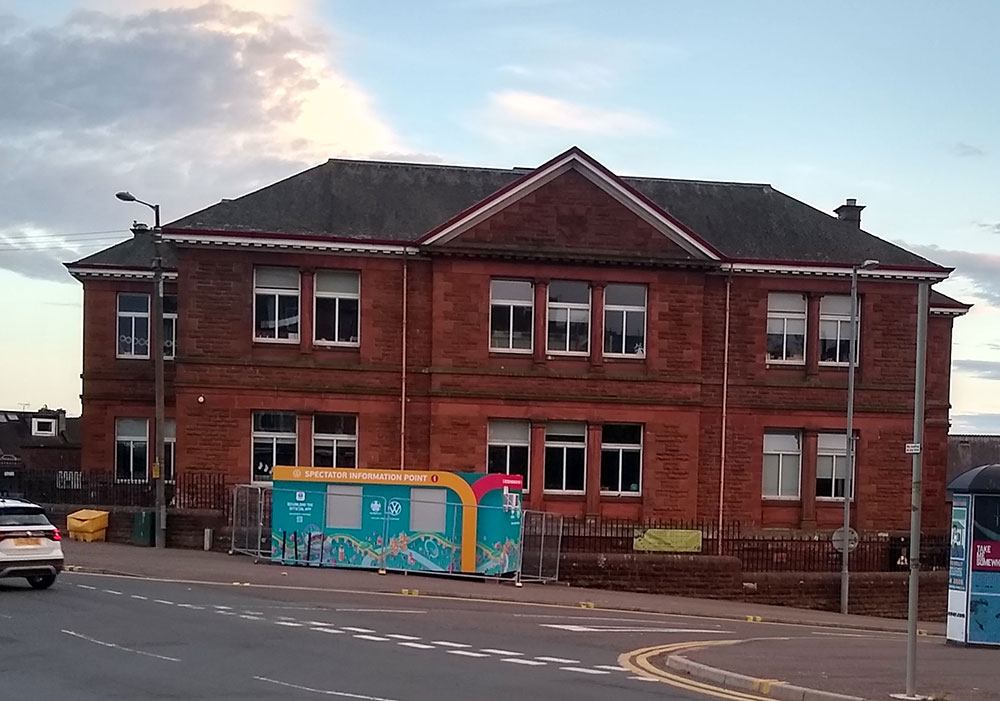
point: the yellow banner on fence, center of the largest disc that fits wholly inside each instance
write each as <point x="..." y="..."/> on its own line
<point x="666" y="540"/>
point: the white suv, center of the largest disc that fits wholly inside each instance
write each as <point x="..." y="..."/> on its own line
<point x="30" y="546"/>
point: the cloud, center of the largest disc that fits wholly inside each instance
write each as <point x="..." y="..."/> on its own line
<point x="992" y="227"/>
<point x="518" y="109"/>
<point x="983" y="369"/>
<point x="982" y="270"/>
<point x="963" y="150"/>
<point x="182" y="106"/>
<point x="975" y="423"/>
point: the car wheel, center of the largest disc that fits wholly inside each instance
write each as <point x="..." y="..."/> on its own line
<point x="42" y="581"/>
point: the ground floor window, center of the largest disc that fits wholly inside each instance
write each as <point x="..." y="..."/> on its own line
<point x="621" y="459"/>
<point x="565" y="457"/>
<point x="335" y="440"/>
<point x="782" y="465"/>
<point x="831" y="466"/>
<point x="508" y="448"/>
<point x="132" y="450"/>
<point x="170" y="450"/>
<point x="273" y="442"/>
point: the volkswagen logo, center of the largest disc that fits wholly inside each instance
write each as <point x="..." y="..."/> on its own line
<point x="394" y="508"/>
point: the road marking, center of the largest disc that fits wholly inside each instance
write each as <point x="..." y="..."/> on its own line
<point x="249" y="617"/>
<point x="445" y="643"/>
<point x="141" y="598"/>
<point x="518" y="660"/>
<point x="86" y="586"/>
<point x="584" y="670"/>
<point x="328" y="630"/>
<point x="120" y="647"/>
<point x="358" y="630"/>
<point x="163" y="601"/>
<point x="290" y="624"/>
<point x="397" y="636"/>
<point x="624" y="629"/>
<point x="467" y="653"/>
<point x="643" y="679"/>
<point x="280" y="618"/>
<point x="227" y="613"/>
<point x="495" y="651"/>
<point x="382" y="610"/>
<point x="319" y="623"/>
<point x="191" y="606"/>
<point x="558" y="660"/>
<point x="376" y="638"/>
<point x="611" y="667"/>
<point x="325" y="692"/>
<point x="223" y="608"/>
<point x="261" y="613"/>
<point x="876" y="636"/>
<point x="418" y="646"/>
<point x="112" y="591"/>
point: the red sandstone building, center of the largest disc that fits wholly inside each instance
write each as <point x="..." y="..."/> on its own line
<point x="629" y="345"/>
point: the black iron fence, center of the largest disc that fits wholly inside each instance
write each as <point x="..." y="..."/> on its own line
<point x="757" y="551"/>
<point x="191" y="490"/>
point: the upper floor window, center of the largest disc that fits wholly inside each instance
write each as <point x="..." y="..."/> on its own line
<point x="625" y="320"/>
<point x="169" y="327"/>
<point x="831" y="466"/>
<point x="835" y="330"/>
<point x="508" y="448"/>
<point x="131" y="450"/>
<point x="565" y="457"/>
<point x="782" y="465"/>
<point x="338" y="300"/>
<point x="274" y="440"/>
<point x="133" y="325"/>
<point x="276" y="304"/>
<point x="569" y="317"/>
<point x="621" y="459"/>
<point x="786" y="328"/>
<point x="335" y="440"/>
<point x="170" y="450"/>
<point x="43" y="427"/>
<point x="512" y="304"/>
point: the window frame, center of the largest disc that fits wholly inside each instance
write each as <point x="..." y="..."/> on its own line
<point x="507" y="444"/>
<point x="831" y="453"/>
<point x="273" y="436"/>
<point x="169" y="318"/>
<point x="625" y="309"/>
<point x="132" y="316"/>
<point x="277" y="293"/>
<point x="570" y="307"/>
<point x="132" y="440"/>
<point x="785" y="316"/>
<point x="169" y="452"/>
<point x="621" y="449"/>
<point x="841" y="320"/>
<point x="336" y="438"/>
<point x="781" y="455"/>
<point x="317" y="295"/>
<point x="511" y="304"/>
<point x="36" y="431"/>
<point x="564" y="446"/>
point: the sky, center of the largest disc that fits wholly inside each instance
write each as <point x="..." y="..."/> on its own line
<point x="187" y="102"/>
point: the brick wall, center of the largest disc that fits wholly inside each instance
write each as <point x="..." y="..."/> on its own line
<point x="185" y="527"/>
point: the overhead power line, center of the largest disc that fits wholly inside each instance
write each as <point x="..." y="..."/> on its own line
<point x="18" y="238"/>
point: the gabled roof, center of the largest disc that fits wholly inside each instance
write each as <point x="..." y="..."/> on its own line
<point x="379" y="202"/>
<point x="137" y="252"/>
<point x="15" y="431"/>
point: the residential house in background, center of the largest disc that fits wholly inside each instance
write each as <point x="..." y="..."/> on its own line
<point x="966" y="451"/>
<point x="38" y="444"/>
<point x="633" y="347"/>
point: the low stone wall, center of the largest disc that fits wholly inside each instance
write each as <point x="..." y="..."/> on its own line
<point x="185" y="527"/>
<point x="707" y="576"/>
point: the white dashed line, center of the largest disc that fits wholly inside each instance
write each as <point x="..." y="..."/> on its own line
<point x="141" y="598"/>
<point x="191" y="606"/>
<point x="467" y="653"/>
<point x="328" y="630"/>
<point x="376" y="638"/>
<point x="280" y="618"/>
<point x="418" y="646"/>
<point x="120" y="647"/>
<point x="261" y="613"/>
<point x="585" y="670"/>
<point x="223" y="608"/>
<point x="251" y="618"/>
<point x="644" y="679"/>
<point x="358" y="630"/>
<point x="610" y="667"/>
<point x="495" y="651"/>
<point x="163" y="601"/>
<point x="319" y="623"/>
<point x="291" y="624"/>
<point x="396" y="636"/>
<point x="558" y="660"/>
<point x="227" y="613"/>
<point x="445" y="643"/>
<point x="112" y="591"/>
<point x="86" y="586"/>
<point x="518" y="660"/>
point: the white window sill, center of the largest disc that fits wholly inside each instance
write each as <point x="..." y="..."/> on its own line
<point x="279" y="341"/>
<point x="831" y="364"/>
<point x="767" y="497"/>
<point x="132" y="357"/>
<point x="568" y="354"/>
<point x="625" y="356"/>
<point x="833" y="500"/>
<point x="787" y="363"/>
<point x="565" y="492"/>
<point x="337" y="344"/>
<point x="625" y="495"/>
<point x="513" y="351"/>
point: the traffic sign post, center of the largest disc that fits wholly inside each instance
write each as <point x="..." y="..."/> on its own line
<point x="837" y="539"/>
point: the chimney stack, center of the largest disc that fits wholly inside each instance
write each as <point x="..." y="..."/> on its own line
<point x="850" y="212"/>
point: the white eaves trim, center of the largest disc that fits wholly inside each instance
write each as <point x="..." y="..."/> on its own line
<point x="948" y="311"/>
<point x="837" y="271"/>
<point x="118" y="273"/>
<point x="572" y="161"/>
<point x="296" y="244"/>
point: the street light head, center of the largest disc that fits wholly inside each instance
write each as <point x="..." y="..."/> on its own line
<point x="125" y="196"/>
<point x="869" y="264"/>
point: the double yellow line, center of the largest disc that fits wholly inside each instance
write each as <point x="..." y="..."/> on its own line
<point x="638" y="661"/>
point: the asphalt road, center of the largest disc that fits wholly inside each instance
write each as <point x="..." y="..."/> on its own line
<point x="99" y="637"/>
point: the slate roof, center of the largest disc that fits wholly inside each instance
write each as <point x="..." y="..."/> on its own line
<point x="966" y="451"/>
<point x="401" y="202"/>
<point x="15" y="432"/>
<point x="136" y="252"/>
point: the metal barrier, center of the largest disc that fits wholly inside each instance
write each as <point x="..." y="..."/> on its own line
<point x="251" y="520"/>
<point x="541" y="546"/>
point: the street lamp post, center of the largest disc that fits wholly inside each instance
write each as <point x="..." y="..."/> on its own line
<point x="157" y="348"/>
<point x="849" y="477"/>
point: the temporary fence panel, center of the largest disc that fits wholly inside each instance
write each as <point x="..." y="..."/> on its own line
<point x="251" y="520"/>
<point x="541" y="546"/>
<point x="397" y="520"/>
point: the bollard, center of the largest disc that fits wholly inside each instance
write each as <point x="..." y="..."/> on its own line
<point x="207" y="543"/>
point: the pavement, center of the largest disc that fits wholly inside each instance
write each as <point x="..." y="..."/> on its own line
<point x="695" y="647"/>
